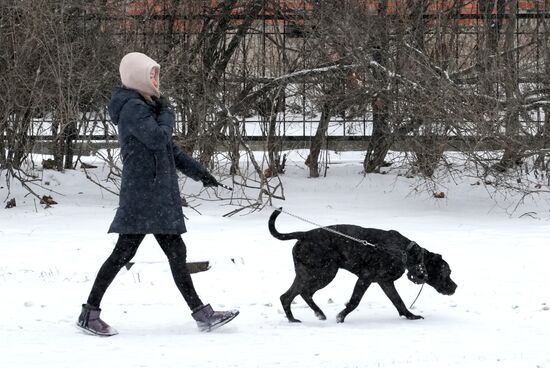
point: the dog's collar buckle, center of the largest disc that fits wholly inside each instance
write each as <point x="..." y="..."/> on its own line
<point x="417" y="273"/>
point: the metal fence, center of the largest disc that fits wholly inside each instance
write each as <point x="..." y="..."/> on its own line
<point x="260" y="56"/>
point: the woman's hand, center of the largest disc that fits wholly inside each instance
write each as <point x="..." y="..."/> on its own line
<point x="209" y="181"/>
<point x="162" y="103"/>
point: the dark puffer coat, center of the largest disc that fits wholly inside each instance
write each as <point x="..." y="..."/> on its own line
<point x="150" y="201"/>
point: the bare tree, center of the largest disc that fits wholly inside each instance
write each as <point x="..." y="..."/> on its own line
<point x="426" y="76"/>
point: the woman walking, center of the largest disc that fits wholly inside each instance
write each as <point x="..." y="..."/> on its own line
<point x="150" y="201"/>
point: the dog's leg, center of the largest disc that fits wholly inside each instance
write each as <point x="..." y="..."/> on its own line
<point x="359" y="290"/>
<point x="288" y="297"/>
<point x="391" y="292"/>
<point x="308" y="280"/>
<point x="316" y="279"/>
<point x="309" y="300"/>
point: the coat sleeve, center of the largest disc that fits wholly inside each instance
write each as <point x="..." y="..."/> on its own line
<point x="138" y="118"/>
<point x="187" y="164"/>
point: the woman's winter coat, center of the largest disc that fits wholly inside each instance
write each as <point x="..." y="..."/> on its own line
<point x="150" y="201"/>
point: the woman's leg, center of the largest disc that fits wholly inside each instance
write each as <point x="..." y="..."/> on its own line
<point x="124" y="251"/>
<point x="174" y="248"/>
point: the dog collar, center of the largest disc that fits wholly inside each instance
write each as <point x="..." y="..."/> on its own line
<point x="417" y="273"/>
<point x="406" y="252"/>
<point x="411" y="244"/>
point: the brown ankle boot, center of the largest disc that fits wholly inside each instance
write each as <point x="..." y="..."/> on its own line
<point x="208" y="319"/>
<point x="90" y="322"/>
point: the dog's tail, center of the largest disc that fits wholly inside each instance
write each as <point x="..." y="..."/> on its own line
<point x="278" y="235"/>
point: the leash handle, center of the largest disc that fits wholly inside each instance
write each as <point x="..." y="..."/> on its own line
<point x="224" y="186"/>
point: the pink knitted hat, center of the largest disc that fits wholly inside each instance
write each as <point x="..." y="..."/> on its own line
<point x="135" y="69"/>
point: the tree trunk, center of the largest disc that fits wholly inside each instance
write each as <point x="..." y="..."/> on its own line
<point x="20" y="144"/>
<point x="318" y="141"/>
<point x="2" y="149"/>
<point x="381" y="138"/>
<point x="71" y="135"/>
<point x="425" y="148"/>
<point x="58" y="144"/>
<point x="541" y="161"/>
<point x="428" y="150"/>
<point x="234" y="148"/>
<point x="274" y="143"/>
<point x="513" y="151"/>
<point x="273" y="147"/>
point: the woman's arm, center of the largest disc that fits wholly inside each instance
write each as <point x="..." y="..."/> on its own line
<point x="188" y="165"/>
<point x="138" y="118"/>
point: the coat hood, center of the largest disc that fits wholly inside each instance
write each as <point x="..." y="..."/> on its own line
<point x="119" y="98"/>
<point x="135" y="69"/>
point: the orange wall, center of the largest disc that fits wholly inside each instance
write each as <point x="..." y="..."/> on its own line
<point x="151" y="7"/>
<point x="138" y="7"/>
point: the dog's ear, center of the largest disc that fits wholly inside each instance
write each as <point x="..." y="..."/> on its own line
<point x="432" y="258"/>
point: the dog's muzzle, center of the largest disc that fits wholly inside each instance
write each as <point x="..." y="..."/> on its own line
<point x="450" y="288"/>
<point x="418" y="274"/>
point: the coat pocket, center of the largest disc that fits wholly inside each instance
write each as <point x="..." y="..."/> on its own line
<point x="155" y="168"/>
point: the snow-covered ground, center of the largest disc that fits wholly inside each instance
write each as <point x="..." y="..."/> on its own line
<point x="499" y="316"/>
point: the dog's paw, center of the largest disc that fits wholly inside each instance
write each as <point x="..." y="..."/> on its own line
<point x="321" y="316"/>
<point x="294" y="320"/>
<point x="413" y="316"/>
<point x="340" y="318"/>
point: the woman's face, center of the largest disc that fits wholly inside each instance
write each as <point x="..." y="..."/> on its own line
<point x="154" y="76"/>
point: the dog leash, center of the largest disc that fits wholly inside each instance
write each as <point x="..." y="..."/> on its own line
<point x="364" y="242"/>
<point x="361" y="241"/>
<point x="415" y="299"/>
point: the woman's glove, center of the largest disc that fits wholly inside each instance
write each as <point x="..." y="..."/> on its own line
<point x="161" y="103"/>
<point x="209" y="181"/>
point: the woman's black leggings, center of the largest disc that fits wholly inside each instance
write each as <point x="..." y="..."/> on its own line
<point x="125" y="249"/>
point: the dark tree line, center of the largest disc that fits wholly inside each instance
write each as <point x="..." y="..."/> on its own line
<point x="429" y="78"/>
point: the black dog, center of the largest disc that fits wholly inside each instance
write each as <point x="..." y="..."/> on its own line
<point x="319" y="253"/>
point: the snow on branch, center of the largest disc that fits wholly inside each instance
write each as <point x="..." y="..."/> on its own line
<point x="270" y="83"/>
